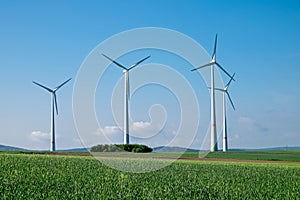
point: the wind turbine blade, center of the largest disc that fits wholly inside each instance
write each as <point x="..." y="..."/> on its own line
<point x="230" y="80"/>
<point x="55" y="102"/>
<point x="215" y="47"/>
<point x="219" y="89"/>
<point x="136" y="64"/>
<point x="224" y="70"/>
<point x="115" y="62"/>
<point x="230" y="100"/>
<point x="62" y="84"/>
<point x="208" y="64"/>
<point x="48" y="89"/>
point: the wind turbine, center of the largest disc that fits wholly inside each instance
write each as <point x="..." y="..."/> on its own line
<point x="53" y="104"/>
<point x="126" y="93"/>
<point x="212" y="63"/>
<point x="225" y="92"/>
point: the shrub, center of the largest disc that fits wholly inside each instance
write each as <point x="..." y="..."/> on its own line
<point x="137" y="148"/>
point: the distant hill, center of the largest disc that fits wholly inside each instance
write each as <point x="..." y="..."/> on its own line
<point x="173" y="149"/>
<point x="268" y="149"/>
<point x="10" y="148"/>
<point x="74" y="150"/>
<point x="155" y="149"/>
<point x="276" y="149"/>
<point x="181" y="149"/>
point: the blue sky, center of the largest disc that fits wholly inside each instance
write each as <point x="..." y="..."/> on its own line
<point x="47" y="41"/>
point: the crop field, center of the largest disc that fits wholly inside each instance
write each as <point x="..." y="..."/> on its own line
<point x="290" y="155"/>
<point x="70" y="177"/>
<point x="266" y="155"/>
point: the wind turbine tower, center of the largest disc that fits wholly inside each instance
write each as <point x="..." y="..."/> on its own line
<point x="225" y="92"/>
<point x="53" y="106"/>
<point x="126" y="93"/>
<point x="212" y="63"/>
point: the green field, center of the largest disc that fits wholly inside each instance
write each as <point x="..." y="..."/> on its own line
<point x="68" y="177"/>
<point x="290" y="155"/>
<point x="272" y="155"/>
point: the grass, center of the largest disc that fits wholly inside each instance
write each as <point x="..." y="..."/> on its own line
<point x="24" y="176"/>
<point x="292" y="155"/>
<point x="288" y="156"/>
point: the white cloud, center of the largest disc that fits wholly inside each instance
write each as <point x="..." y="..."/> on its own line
<point x="143" y="129"/>
<point x="105" y="135"/>
<point x="109" y="130"/>
<point x="39" y="136"/>
<point x="141" y="124"/>
<point x="139" y="129"/>
<point x="143" y="132"/>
